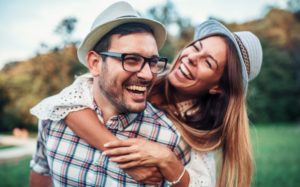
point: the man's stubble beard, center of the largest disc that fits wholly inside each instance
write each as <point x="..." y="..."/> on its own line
<point x="106" y="87"/>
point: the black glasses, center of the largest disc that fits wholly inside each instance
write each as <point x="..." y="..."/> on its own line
<point x="135" y="62"/>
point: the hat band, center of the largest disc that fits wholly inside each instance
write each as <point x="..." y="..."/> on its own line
<point x="244" y="53"/>
<point x="127" y="16"/>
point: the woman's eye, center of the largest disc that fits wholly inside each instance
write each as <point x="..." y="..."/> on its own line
<point x="208" y="63"/>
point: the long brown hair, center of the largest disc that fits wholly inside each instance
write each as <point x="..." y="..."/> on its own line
<point x="221" y="121"/>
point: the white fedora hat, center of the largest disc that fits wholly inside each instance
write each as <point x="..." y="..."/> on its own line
<point x="246" y="43"/>
<point x="113" y="16"/>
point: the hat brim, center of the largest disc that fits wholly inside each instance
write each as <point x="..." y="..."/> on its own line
<point x="213" y="27"/>
<point x="94" y="36"/>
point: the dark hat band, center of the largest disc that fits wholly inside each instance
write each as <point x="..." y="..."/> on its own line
<point x="244" y="53"/>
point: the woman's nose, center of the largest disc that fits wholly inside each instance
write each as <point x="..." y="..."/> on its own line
<point x="193" y="58"/>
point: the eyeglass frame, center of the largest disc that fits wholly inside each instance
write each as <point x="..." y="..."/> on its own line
<point x="148" y="60"/>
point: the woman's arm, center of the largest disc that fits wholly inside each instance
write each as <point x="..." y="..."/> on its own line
<point x="87" y="126"/>
<point x="139" y="152"/>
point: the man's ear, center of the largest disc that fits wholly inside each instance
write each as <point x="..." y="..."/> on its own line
<point x="215" y="90"/>
<point x="94" y="63"/>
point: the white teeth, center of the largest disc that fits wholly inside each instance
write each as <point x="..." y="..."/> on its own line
<point x="185" y="71"/>
<point x="137" y="88"/>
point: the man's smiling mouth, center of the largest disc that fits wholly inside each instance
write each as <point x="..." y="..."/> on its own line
<point x="137" y="89"/>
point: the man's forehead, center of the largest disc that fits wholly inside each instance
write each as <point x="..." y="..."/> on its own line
<point x="134" y="42"/>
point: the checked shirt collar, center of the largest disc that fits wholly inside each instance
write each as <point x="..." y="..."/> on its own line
<point x="118" y="122"/>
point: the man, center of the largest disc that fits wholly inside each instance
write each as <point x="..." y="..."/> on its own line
<point x="121" y="52"/>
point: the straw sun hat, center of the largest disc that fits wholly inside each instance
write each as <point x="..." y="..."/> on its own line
<point x="113" y="16"/>
<point x="247" y="44"/>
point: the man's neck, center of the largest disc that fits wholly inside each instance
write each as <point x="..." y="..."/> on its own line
<point x="108" y="110"/>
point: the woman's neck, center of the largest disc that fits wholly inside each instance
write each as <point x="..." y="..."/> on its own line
<point x="182" y="97"/>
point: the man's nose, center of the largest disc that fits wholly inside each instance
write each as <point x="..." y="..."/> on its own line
<point x="145" y="73"/>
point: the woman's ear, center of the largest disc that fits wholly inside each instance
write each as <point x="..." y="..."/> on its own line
<point x="93" y="62"/>
<point x="215" y="90"/>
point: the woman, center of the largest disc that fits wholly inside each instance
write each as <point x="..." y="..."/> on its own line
<point x="204" y="95"/>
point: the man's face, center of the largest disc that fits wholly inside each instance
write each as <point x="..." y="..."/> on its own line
<point x="127" y="91"/>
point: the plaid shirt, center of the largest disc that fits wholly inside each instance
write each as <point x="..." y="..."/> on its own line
<point x="72" y="162"/>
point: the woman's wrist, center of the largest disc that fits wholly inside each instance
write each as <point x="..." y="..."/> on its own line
<point x="171" y="168"/>
<point x="167" y="160"/>
<point x="178" y="180"/>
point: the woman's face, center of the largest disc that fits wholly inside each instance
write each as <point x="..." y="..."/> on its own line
<point x="200" y="67"/>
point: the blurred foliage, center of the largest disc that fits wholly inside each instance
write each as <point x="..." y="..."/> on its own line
<point x="24" y="84"/>
<point x="66" y="28"/>
<point x="180" y="30"/>
<point x="294" y="5"/>
<point x="273" y="95"/>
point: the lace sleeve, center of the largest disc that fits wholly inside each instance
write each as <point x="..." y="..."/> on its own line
<point x="75" y="97"/>
<point x="202" y="169"/>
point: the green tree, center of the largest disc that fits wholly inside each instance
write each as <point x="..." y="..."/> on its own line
<point x="273" y="95"/>
<point x="294" y="6"/>
<point x="66" y="28"/>
<point x="180" y="30"/>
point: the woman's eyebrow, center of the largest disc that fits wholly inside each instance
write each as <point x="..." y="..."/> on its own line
<point x="197" y="49"/>
<point x="211" y="57"/>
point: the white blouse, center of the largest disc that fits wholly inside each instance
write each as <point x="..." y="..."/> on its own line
<point x="79" y="95"/>
<point x="202" y="169"/>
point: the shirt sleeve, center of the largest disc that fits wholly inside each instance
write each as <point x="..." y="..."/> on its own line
<point x="202" y="169"/>
<point x="182" y="151"/>
<point x="39" y="162"/>
<point x="75" y="97"/>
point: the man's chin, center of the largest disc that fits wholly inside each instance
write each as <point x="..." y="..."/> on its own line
<point x="136" y="107"/>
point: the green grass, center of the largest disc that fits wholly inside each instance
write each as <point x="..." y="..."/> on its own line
<point x="5" y="146"/>
<point x="15" y="173"/>
<point x="276" y="149"/>
<point x="277" y="156"/>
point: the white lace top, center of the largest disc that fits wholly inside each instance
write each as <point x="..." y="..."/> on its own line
<point x="201" y="168"/>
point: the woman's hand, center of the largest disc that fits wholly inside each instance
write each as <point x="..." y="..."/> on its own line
<point x="137" y="152"/>
<point x="148" y="175"/>
<point x="134" y="152"/>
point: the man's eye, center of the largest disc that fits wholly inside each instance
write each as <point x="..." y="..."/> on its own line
<point x="132" y="58"/>
<point x="154" y="59"/>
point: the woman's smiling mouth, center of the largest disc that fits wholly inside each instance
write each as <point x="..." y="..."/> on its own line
<point x="185" y="71"/>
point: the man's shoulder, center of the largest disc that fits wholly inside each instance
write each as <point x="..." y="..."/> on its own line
<point x="158" y="116"/>
<point x="46" y="124"/>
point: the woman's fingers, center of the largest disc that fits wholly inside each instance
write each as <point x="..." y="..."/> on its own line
<point x="120" y="143"/>
<point x="126" y="158"/>
<point x="119" y="151"/>
<point x="129" y="164"/>
<point x="154" y="176"/>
